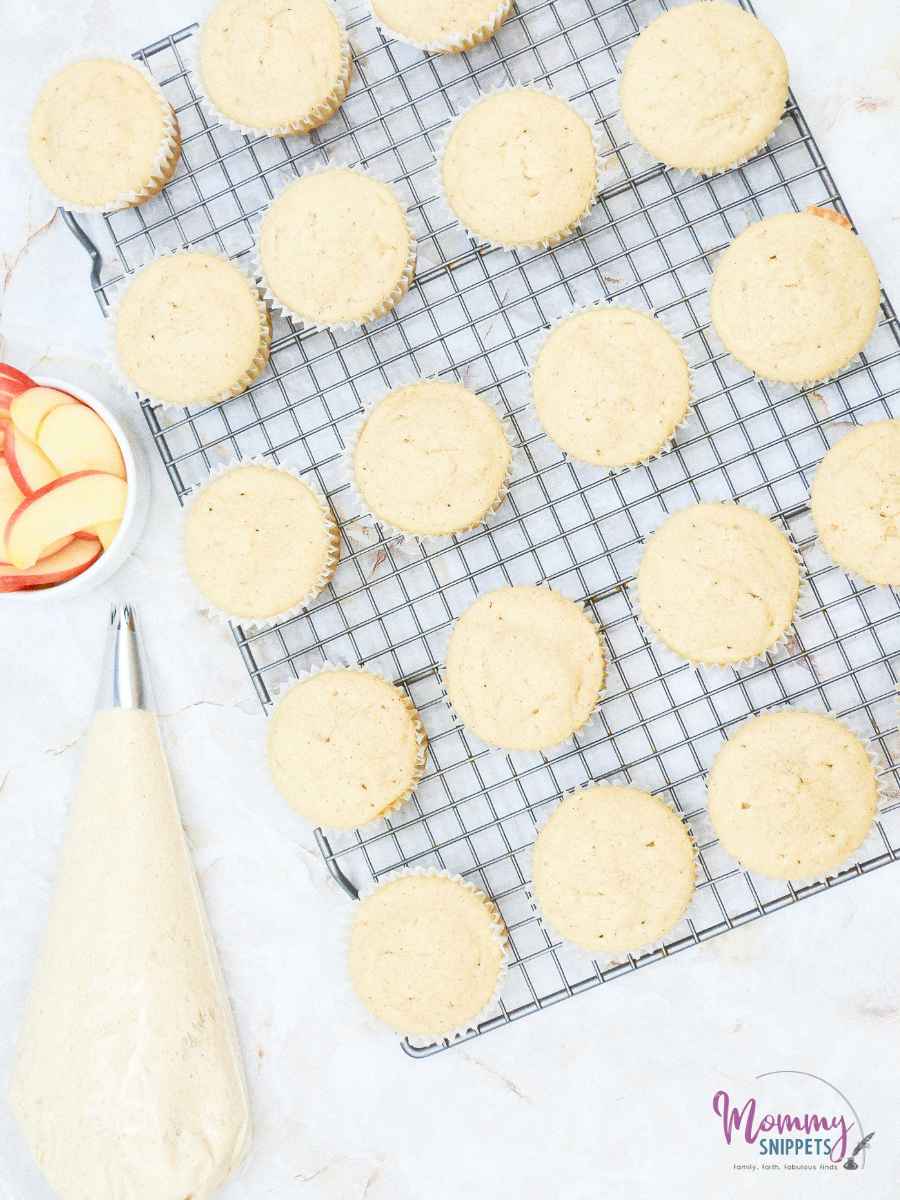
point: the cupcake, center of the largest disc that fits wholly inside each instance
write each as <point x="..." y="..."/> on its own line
<point x="525" y="668"/>
<point x="704" y="87"/>
<point x="335" y="248"/>
<point x="610" y="386"/>
<point x="441" y="26"/>
<point x="345" y="747"/>
<point x="275" y="68"/>
<point x="856" y="502"/>
<point x="792" y="795"/>
<point x="102" y="136"/>
<point x="613" y="870"/>
<point x="520" y="168"/>
<point x="431" y="458"/>
<point x="258" y="542"/>
<point x="795" y="297"/>
<point x="190" y="328"/>
<point x="427" y="954"/>
<point x="718" y="584"/>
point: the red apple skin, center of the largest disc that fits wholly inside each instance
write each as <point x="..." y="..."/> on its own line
<point x="12" y="381"/>
<point x="46" y="571"/>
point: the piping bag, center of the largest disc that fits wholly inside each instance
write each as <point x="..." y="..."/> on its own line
<point x="128" y="1082"/>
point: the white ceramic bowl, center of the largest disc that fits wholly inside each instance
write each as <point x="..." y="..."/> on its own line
<point x="133" y="519"/>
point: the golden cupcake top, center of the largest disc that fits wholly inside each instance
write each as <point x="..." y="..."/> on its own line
<point x="519" y="168"/>
<point x="610" y="386"/>
<point x="190" y="328"/>
<point x="345" y="747"/>
<point x="431" y="458"/>
<point x="335" y="248"/>
<point x="796" y="296"/>
<point x="258" y="541"/>
<point x="613" y="869"/>
<point x="792" y="794"/>
<point x="274" y="66"/>
<point x="855" y="499"/>
<point x="442" y="25"/>
<point x="426" y="953"/>
<point x="704" y="86"/>
<point x="102" y="135"/>
<point x="525" y="667"/>
<point x="718" y="584"/>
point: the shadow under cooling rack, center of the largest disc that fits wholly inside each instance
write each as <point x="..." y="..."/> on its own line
<point x="476" y="314"/>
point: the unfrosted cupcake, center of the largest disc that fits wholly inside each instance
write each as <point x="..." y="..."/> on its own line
<point x="258" y="542"/>
<point x="335" y="248"/>
<point x="856" y="502"/>
<point x="613" y="869"/>
<point x="431" y="458"/>
<point x="345" y="747"/>
<point x="795" y="297"/>
<point x="525" y="668"/>
<point x="704" y="86"/>
<point x="520" y="169"/>
<point x="718" y="584"/>
<point x="611" y="385"/>
<point x="427" y="953"/>
<point x="441" y="26"/>
<point x="271" y="67"/>
<point x="190" y="328"/>
<point x="792" y="795"/>
<point x="102" y="135"/>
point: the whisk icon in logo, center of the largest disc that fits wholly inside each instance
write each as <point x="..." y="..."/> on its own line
<point x="794" y="1121"/>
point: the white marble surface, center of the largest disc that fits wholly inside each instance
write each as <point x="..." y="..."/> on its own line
<point x="606" y="1096"/>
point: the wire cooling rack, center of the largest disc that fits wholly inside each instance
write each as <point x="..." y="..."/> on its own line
<point x="475" y="314"/>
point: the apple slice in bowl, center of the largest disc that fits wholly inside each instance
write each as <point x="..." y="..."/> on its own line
<point x="60" y="509"/>
<point x="76" y="556"/>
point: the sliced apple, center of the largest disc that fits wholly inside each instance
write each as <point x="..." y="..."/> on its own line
<point x="75" y="438"/>
<point x="62" y="507"/>
<point x="104" y="530"/>
<point x="76" y="556"/>
<point x="12" y="381"/>
<point x="29" y="408"/>
<point x="28" y="464"/>
<point x="55" y="547"/>
<point x="10" y="499"/>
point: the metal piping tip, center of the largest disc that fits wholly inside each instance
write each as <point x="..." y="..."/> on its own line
<point x="124" y="680"/>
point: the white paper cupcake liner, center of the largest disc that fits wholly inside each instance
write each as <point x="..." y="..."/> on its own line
<point x="321" y="113"/>
<point x="579" y="310"/>
<point x="647" y="160"/>
<point x="388" y="303"/>
<point x="256" y="624"/>
<point x="665" y="652"/>
<point x="587" y="726"/>
<point x="164" y="164"/>
<point x="352" y="431"/>
<point x="604" y="164"/>
<point x="241" y="384"/>
<point x="454" y="43"/>
<point x="602" y="960"/>
<point x="872" y="845"/>
<point x="718" y="346"/>
<point x="499" y="932"/>
<point x="278" y="691"/>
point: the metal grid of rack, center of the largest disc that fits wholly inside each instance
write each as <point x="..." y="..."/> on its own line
<point x="474" y="314"/>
